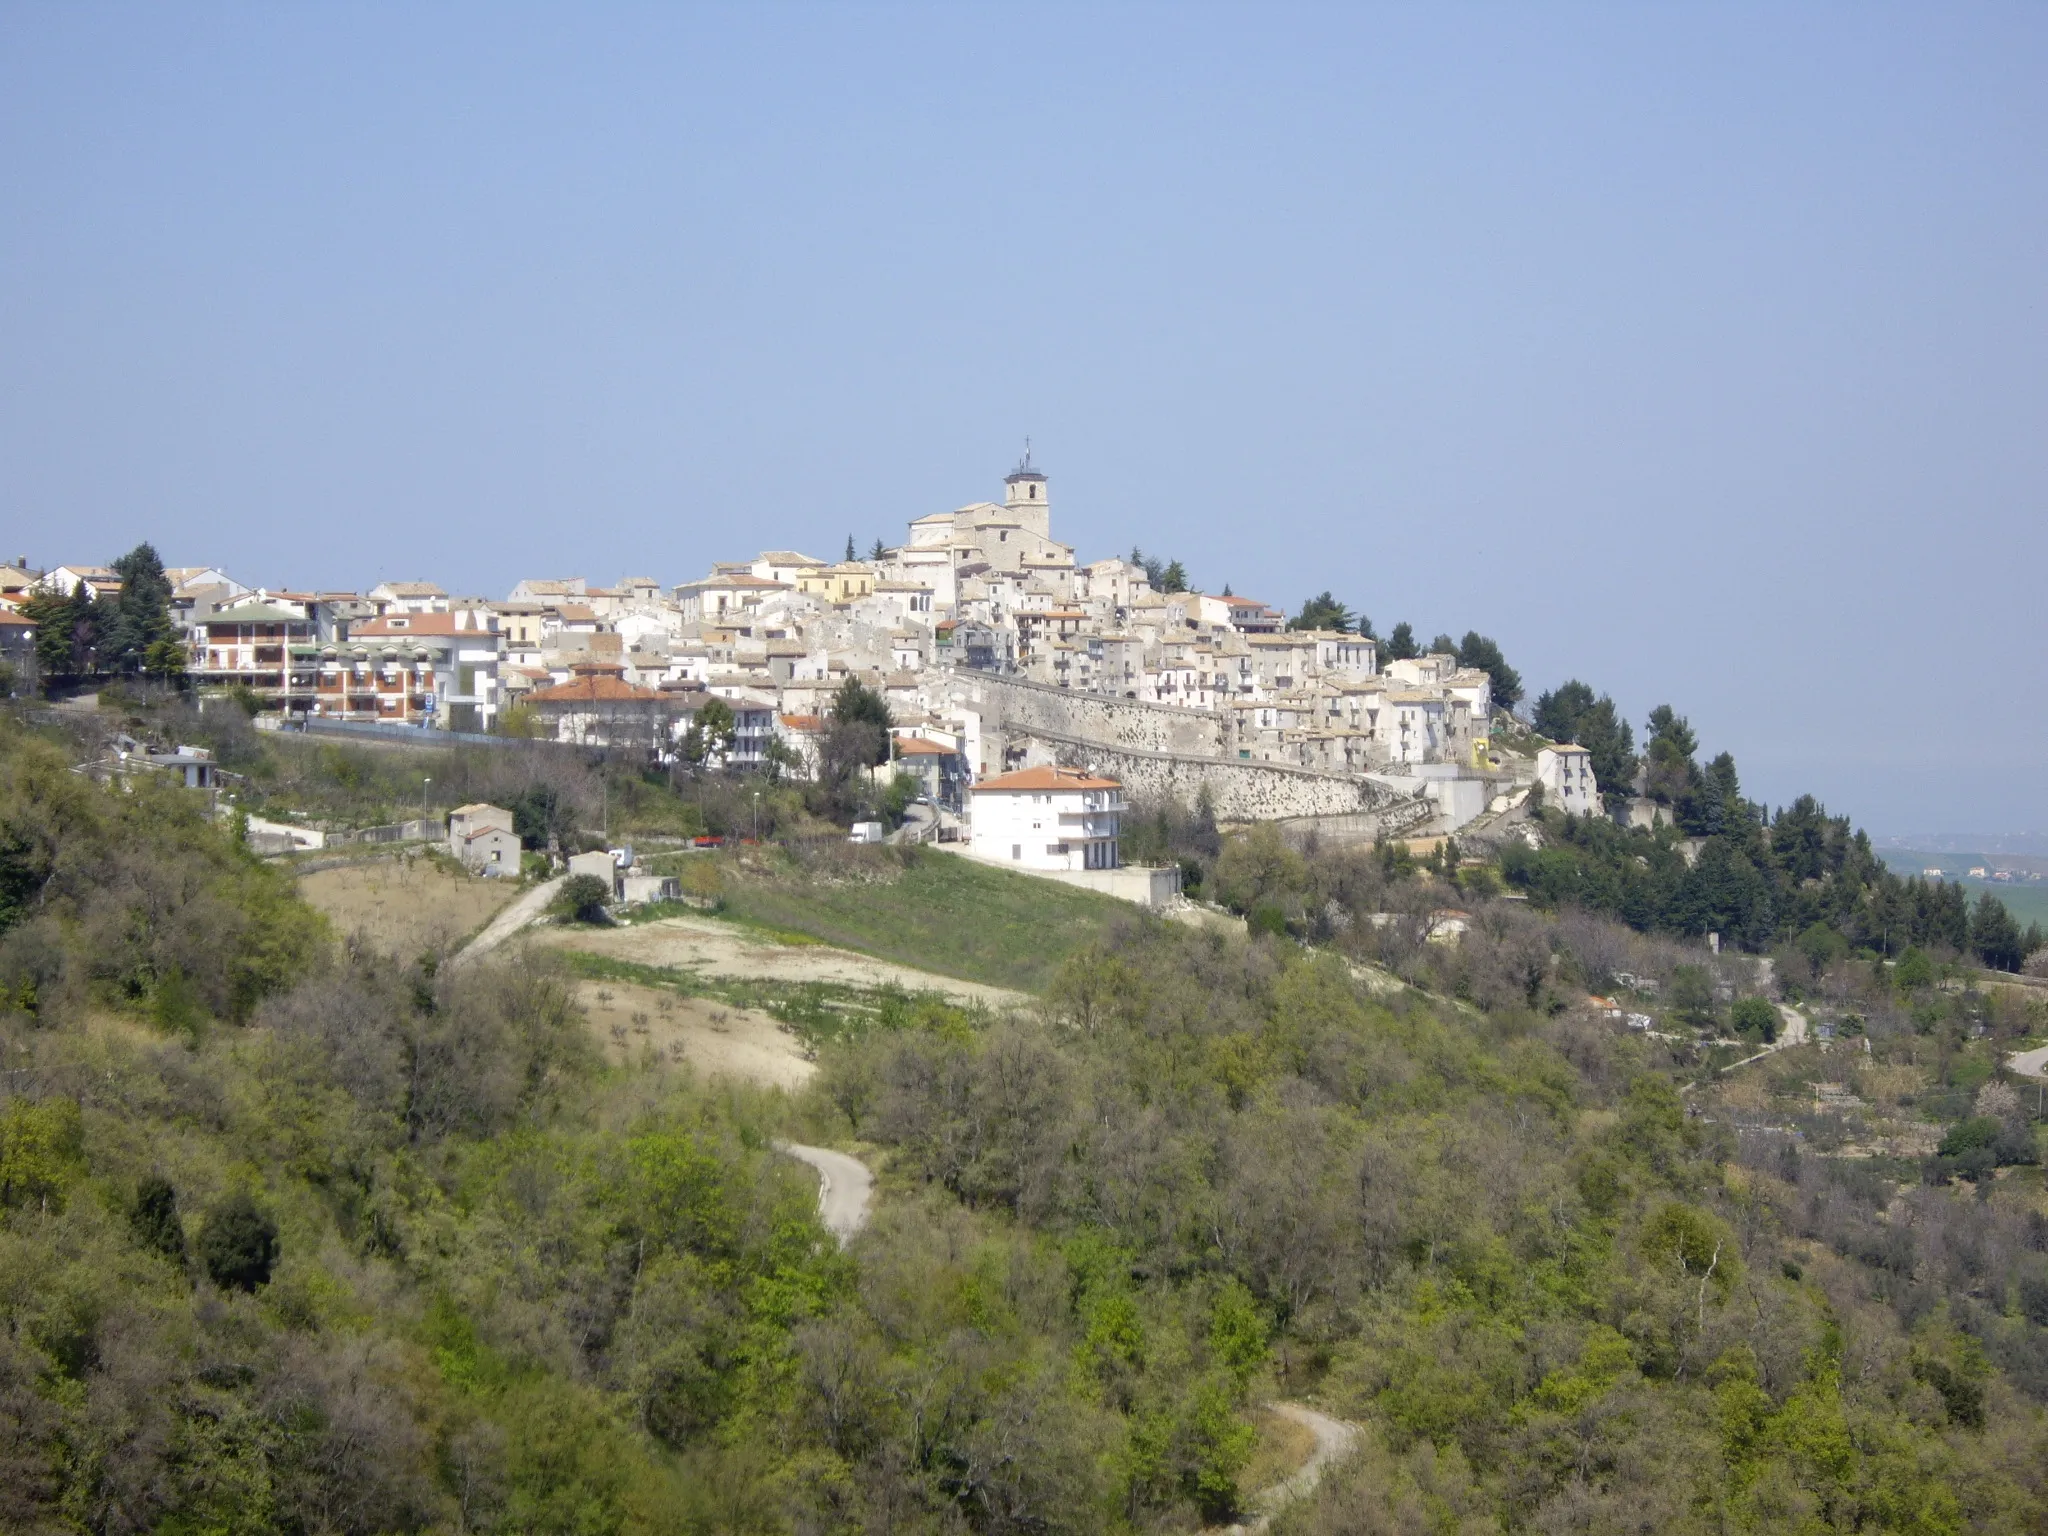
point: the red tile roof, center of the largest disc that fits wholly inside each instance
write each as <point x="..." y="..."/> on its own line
<point x="1046" y="778"/>
<point x="396" y="625"/>
<point x="593" y="688"/>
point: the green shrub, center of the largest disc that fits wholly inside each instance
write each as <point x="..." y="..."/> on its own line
<point x="154" y="1218"/>
<point x="238" y="1245"/>
<point x="1755" y="1018"/>
<point x="582" y="899"/>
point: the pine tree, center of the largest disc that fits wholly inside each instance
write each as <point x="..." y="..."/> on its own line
<point x="141" y="611"/>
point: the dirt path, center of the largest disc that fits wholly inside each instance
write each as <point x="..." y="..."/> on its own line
<point x="1334" y="1441"/>
<point x="512" y="919"/>
<point x="845" y="1187"/>
<point x="724" y="949"/>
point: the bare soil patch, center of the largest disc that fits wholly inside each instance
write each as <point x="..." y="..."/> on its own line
<point x="407" y="904"/>
<point x="715" y="1038"/>
<point x="723" y="949"/>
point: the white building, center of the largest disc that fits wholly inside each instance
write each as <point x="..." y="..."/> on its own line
<point x="1047" y="818"/>
<point x="1566" y="774"/>
<point x="481" y="837"/>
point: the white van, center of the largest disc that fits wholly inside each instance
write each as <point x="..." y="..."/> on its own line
<point x="865" y="832"/>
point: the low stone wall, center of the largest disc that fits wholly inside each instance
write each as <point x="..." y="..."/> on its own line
<point x="1139" y="884"/>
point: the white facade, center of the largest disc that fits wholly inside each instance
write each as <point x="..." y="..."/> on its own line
<point x="1047" y="818"/>
<point x="1566" y="774"/>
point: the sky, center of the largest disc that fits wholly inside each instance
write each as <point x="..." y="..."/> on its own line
<point x="1697" y="351"/>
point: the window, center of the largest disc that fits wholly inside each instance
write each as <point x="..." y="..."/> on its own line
<point x="1016" y="850"/>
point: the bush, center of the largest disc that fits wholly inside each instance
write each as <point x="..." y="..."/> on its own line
<point x="239" y="1244"/>
<point x="582" y="899"/>
<point x="1754" y="1018"/>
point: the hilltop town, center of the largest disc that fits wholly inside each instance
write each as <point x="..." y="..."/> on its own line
<point x="995" y="647"/>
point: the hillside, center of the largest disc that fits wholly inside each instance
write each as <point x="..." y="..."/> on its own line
<point x="301" y="1239"/>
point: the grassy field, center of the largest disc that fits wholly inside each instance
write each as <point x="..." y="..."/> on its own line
<point x="2027" y="903"/>
<point x="942" y="913"/>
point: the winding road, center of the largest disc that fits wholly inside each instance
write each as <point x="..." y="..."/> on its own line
<point x="845" y="1198"/>
<point x="2032" y="1063"/>
<point x="845" y="1188"/>
<point x="1334" y="1441"/>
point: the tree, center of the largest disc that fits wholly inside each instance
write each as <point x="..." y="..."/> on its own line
<point x="153" y="1218"/>
<point x="66" y="630"/>
<point x="165" y="661"/>
<point x="1442" y="645"/>
<point x="1611" y="744"/>
<point x="1164" y="575"/>
<point x="878" y="552"/>
<point x="711" y="734"/>
<point x="542" y="817"/>
<point x="1322" y="611"/>
<point x="1668" y="756"/>
<point x="850" y="554"/>
<point x="141" y="612"/>
<point x="238" y="1245"/>
<point x="855" y="702"/>
<point x="1478" y="652"/>
<point x="1401" y="642"/>
<point x="856" y="734"/>
<point x="1755" y="1018"/>
<point x="1995" y="936"/>
<point x="582" y="899"/>
<point x="1692" y="996"/>
<point x="1559" y="710"/>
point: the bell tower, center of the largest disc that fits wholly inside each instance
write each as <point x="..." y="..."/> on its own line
<point x="1024" y="495"/>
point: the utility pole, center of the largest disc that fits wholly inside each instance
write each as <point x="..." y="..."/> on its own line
<point x="425" y="780"/>
<point x="757" y="816"/>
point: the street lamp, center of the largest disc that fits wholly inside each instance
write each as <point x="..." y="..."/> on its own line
<point x="425" y="780"/>
<point x="757" y="816"/>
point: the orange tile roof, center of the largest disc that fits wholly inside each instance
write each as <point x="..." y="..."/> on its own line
<point x="919" y="746"/>
<point x="593" y="688"/>
<point x="396" y="625"/>
<point x="1046" y="778"/>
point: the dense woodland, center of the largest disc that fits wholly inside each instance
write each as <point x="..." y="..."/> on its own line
<point x="296" y="1238"/>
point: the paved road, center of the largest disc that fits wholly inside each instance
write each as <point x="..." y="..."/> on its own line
<point x="1334" y="1441"/>
<point x="2032" y="1063"/>
<point x="845" y="1188"/>
<point x="1794" y="1032"/>
<point x="916" y="819"/>
<point x="512" y="919"/>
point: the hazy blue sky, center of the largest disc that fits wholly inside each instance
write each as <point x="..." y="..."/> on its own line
<point x="1697" y="351"/>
